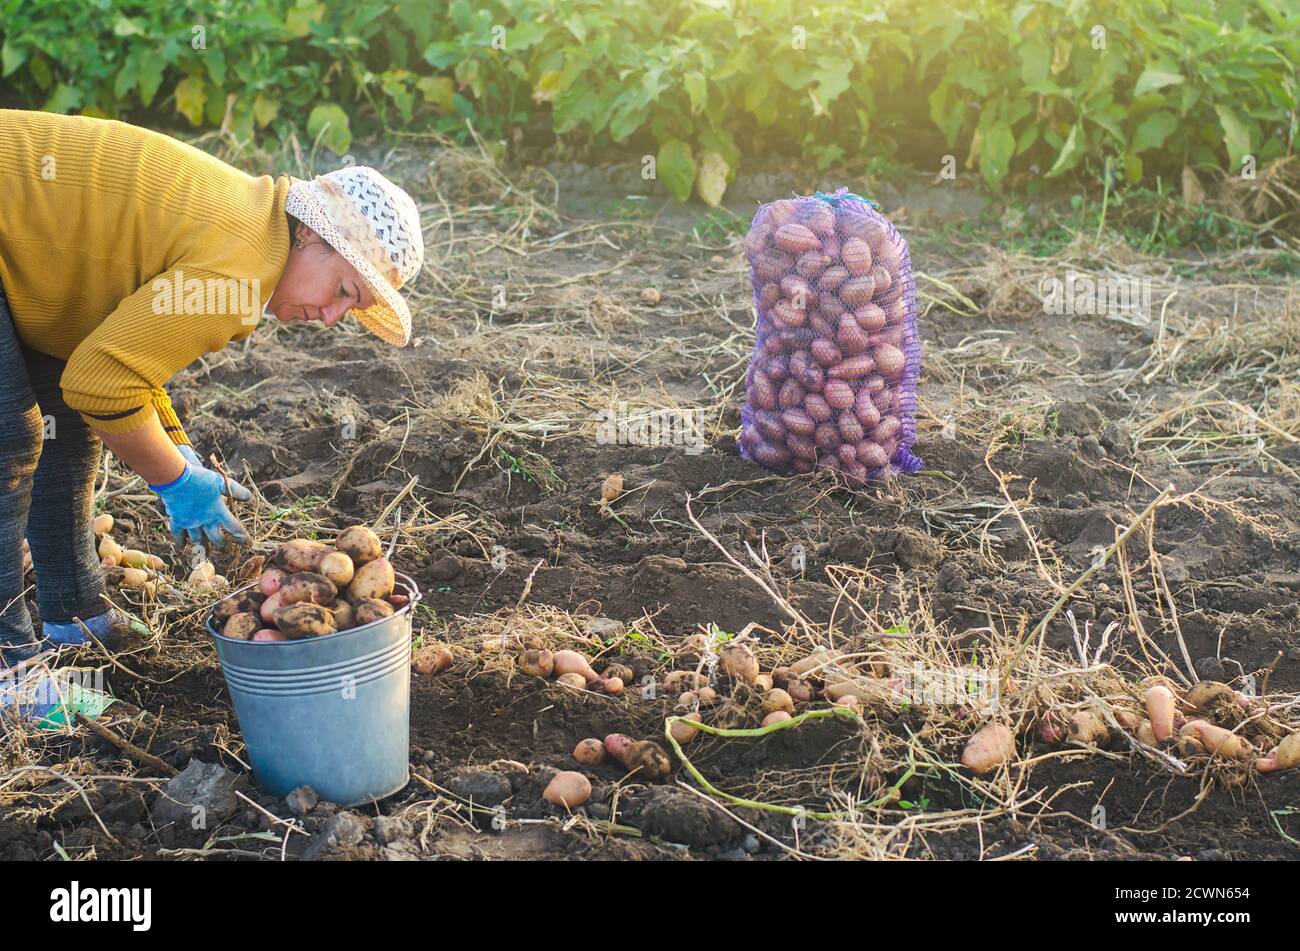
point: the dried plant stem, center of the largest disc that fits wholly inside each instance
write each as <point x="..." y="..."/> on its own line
<point x="397" y="499"/>
<point x="12" y="774"/>
<point x="1040" y="632"/>
<point x="841" y="712"/>
<point x="781" y="602"/>
<point x="1163" y="586"/>
<point x="126" y="746"/>
<point x="754" y="829"/>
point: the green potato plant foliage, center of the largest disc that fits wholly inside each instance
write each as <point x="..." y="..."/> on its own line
<point x="686" y="88"/>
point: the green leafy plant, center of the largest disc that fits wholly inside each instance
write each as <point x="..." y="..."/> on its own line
<point x="1019" y="90"/>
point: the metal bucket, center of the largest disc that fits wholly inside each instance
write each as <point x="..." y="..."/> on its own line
<point x="332" y="712"/>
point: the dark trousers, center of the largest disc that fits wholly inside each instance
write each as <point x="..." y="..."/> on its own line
<point x="48" y="461"/>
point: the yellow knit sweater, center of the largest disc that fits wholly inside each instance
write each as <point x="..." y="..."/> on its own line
<point x="129" y="255"/>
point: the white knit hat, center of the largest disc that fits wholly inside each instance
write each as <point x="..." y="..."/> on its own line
<point x="376" y="227"/>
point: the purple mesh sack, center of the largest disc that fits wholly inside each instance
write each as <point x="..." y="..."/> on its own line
<point x="832" y="380"/>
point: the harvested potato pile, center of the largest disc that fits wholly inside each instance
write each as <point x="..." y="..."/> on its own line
<point x="1206" y="723"/>
<point x="832" y="381"/>
<point x="313" y="589"/>
<point x="745" y="695"/>
<point x="128" y="567"/>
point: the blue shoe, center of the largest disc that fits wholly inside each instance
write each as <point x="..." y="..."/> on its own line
<point x="70" y="632"/>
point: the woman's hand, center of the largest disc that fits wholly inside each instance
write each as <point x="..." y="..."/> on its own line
<point x="195" y="505"/>
<point x="190" y="492"/>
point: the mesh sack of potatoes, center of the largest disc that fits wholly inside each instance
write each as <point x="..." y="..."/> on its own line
<point x="832" y="380"/>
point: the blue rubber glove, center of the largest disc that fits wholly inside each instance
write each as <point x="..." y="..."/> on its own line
<point x="195" y="506"/>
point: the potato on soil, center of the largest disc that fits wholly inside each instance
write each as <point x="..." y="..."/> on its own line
<point x="536" y="663"/>
<point x="103" y="524"/>
<point x="133" y="578"/>
<point x="866" y="689"/>
<point x="738" y="662"/>
<point x="622" y="671"/>
<point x="613" y="685"/>
<point x="1159" y="700"/>
<point x="241" y="627"/>
<point x="612" y="487"/>
<point x="1288" y="752"/>
<point x="776" y="716"/>
<point x="1221" y="742"/>
<point x="307" y="586"/>
<point x="251" y="569"/>
<point x="800" y="690"/>
<point x="1050" y="731"/>
<point x="573" y="681"/>
<point x="617" y="746"/>
<point x="682" y="731"/>
<point x="301" y="554"/>
<point x="648" y="761"/>
<point x="359" y="543"/>
<point x="679" y="680"/>
<point x="568" y="789"/>
<point x="133" y="558"/>
<point x="571" y="662"/>
<point x="1130" y="720"/>
<point x="431" y="660"/>
<point x="1286" y="755"/>
<point x="202" y="574"/>
<point x="813" y="664"/>
<point x="369" y="611"/>
<point x="589" y="752"/>
<point x="305" y="620"/>
<point x="338" y="568"/>
<point x="1218" y="702"/>
<point x="762" y="683"/>
<point x="783" y="674"/>
<point x="374" y="579"/>
<point x="1086" y="727"/>
<point x="110" y="549"/>
<point x="777" y="699"/>
<point x="988" y="749"/>
<point x="1208" y="693"/>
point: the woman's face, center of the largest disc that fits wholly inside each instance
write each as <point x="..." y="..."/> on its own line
<point x="317" y="284"/>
